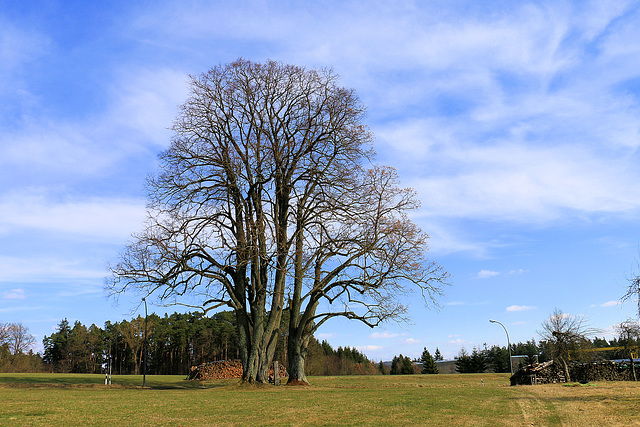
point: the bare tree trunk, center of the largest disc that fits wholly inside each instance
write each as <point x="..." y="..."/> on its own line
<point x="296" y="350"/>
<point x="565" y="367"/>
<point x="296" y="355"/>
<point x="139" y="361"/>
<point x="243" y="344"/>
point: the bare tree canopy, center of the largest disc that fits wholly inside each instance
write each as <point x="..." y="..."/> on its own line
<point x="267" y="201"/>
<point x="633" y="290"/>
<point x="16" y="337"/>
<point x="566" y="335"/>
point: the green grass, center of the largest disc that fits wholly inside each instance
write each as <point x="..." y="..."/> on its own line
<point x="63" y="399"/>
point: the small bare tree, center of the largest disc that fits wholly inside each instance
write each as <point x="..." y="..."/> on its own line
<point x="629" y="336"/>
<point x="566" y="335"/>
<point x="17" y="337"/>
<point x="133" y="334"/>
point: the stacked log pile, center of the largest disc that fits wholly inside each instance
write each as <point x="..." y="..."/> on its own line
<point x="219" y="370"/>
<point x="539" y="373"/>
<point x="552" y="372"/>
<point x="224" y="369"/>
<point x="602" y="371"/>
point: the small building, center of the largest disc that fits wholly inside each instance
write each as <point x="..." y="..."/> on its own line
<point x="449" y="366"/>
<point x="446" y="366"/>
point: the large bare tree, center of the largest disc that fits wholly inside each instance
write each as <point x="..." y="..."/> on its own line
<point x="267" y="201"/>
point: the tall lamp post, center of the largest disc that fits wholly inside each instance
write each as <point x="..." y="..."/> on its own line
<point x="508" y="344"/>
<point x="144" y="346"/>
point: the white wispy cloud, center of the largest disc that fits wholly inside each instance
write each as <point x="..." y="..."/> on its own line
<point x="463" y="303"/>
<point x="369" y="347"/>
<point x="144" y="103"/>
<point x="18" y="47"/>
<point x="383" y="335"/>
<point x="445" y="239"/>
<point x="486" y="274"/>
<point x="610" y="304"/>
<point x="520" y="308"/>
<point x="12" y="294"/>
<point x="512" y="104"/>
<point x="108" y="219"/>
<point x="140" y="103"/>
<point x="520" y="183"/>
<point x="49" y="269"/>
<point x="19" y="309"/>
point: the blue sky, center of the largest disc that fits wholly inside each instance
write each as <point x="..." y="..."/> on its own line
<point x="518" y="124"/>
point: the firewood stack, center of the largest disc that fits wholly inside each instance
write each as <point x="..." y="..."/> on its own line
<point x="552" y="372"/>
<point x="602" y="371"/>
<point x="539" y="373"/>
<point x="224" y="369"/>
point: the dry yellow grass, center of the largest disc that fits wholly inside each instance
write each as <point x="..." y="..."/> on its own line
<point x="593" y="404"/>
<point x="434" y="400"/>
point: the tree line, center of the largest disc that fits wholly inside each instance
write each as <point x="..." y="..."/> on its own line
<point x="404" y="365"/>
<point x="564" y="338"/>
<point x="496" y="358"/>
<point x="322" y="359"/>
<point x="175" y="343"/>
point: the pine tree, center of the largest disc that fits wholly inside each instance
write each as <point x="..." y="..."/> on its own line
<point x="478" y="361"/>
<point x="428" y="363"/>
<point x="395" y="365"/>
<point x="437" y="355"/>
<point x="407" y="365"/>
<point x="463" y="362"/>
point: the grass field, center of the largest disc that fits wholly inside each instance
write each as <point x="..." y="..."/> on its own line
<point x="434" y="400"/>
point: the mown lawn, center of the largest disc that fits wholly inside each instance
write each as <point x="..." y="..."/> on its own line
<point x="435" y="400"/>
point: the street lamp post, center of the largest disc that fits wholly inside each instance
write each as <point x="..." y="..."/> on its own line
<point x="144" y="346"/>
<point x="508" y="344"/>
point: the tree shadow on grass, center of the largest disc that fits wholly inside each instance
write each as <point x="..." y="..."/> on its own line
<point x="97" y="381"/>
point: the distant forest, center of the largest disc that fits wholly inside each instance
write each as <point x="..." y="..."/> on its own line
<point x="174" y="344"/>
<point x="496" y="358"/>
<point x="181" y="340"/>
